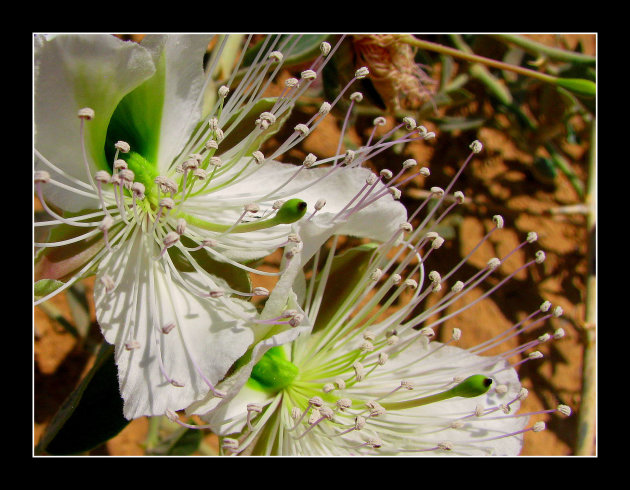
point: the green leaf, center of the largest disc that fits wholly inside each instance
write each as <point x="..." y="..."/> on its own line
<point x="345" y="273"/>
<point x="91" y="415"/>
<point x="578" y="86"/>
<point x="44" y="287"/>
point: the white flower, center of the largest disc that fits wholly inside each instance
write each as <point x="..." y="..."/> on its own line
<point x="363" y="380"/>
<point x="154" y="179"/>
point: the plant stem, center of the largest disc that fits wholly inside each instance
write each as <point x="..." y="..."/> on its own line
<point x="473" y="58"/>
<point x="588" y="408"/>
<point x="551" y="53"/>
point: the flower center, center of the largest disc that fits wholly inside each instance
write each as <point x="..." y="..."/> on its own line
<point x="274" y="371"/>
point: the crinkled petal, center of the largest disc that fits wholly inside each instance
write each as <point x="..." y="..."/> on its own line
<point x="379" y="221"/>
<point x="209" y="335"/>
<point x="179" y="79"/>
<point x="281" y="298"/>
<point x="428" y="425"/>
<point x="72" y="72"/>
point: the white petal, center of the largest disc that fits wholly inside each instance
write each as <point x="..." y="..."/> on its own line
<point x="207" y="339"/>
<point x="280" y="299"/>
<point x="179" y="59"/>
<point x="72" y="72"/>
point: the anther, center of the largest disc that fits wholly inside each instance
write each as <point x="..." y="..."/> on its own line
<point x="356" y="97"/>
<point x="127" y="175"/>
<point x="200" y="173"/>
<point x="215" y="161"/>
<point x="340" y="383"/>
<point x="457" y="287"/>
<point x="545" y="306"/>
<point x="260" y="291"/>
<point x="276" y="55"/>
<point x="359" y="422"/>
<point x="366" y="346"/>
<point x="532" y="236"/>
<point x="501" y="389"/>
<point x="265" y="120"/>
<point x="343" y="404"/>
<point x="138" y="189"/>
<point x="181" y="226"/>
<point x="41" y="176"/>
<point x="379" y="121"/>
<point x="167" y="202"/>
<point x="409" y="163"/>
<point x="362" y="72"/>
<point x="316" y="401"/>
<point x="359" y="370"/>
<point x="498" y="220"/>
<point x="386" y="174"/>
<point x="86" y="113"/>
<point x="309" y="161"/>
<point x="120" y="164"/>
<point x="557" y="311"/>
<point x="476" y="146"/>
<point x="308" y="75"/>
<point x="211" y="145"/>
<point x="535" y="355"/>
<point x="459" y="197"/>
<point x="457" y="334"/>
<point x="383" y="357"/>
<point x="325" y="108"/>
<point x="328" y="387"/>
<point x="102" y="176"/>
<point x="320" y="204"/>
<point x="406" y="385"/>
<point x="558" y="334"/>
<point x="424" y="171"/>
<point x="493" y="263"/>
<point x="302" y="128"/>
<point x="106" y="224"/>
<point x="171" y="239"/>
<point x="445" y="446"/>
<point x="292" y="82"/>
<point x="376" y="409"/>
<point x="564" y="410"/>
<point x="122" y="146"/>
<point x="438" y="191"/>
<point x="540" y="257"/>
<point x="258" y="157"/>
<point x="539" y="426"/>
<point x="324" y="47"/>
<point x="437" y="242"/>
<point x="395" y="193"/>
<point x="348" y="157"/>
<point x="410" y="123"/>
<point x="376" y="275"/>
<point x="223" y="91"/>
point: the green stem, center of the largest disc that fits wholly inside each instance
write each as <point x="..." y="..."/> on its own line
<point x="551" y="53"/>
<point x="588" y="407"/>
<point x="473" y="58"/>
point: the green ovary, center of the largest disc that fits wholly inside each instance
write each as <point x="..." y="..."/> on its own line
<point x="145" y="172"/>
<point x="274" y="372"/>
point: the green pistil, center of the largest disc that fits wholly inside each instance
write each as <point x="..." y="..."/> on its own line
<point x="144" y="172"/>
<point x="471" y="387"/>
<point x="274" y="371"/>
<point x="290" y="212"/>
